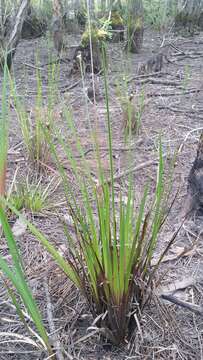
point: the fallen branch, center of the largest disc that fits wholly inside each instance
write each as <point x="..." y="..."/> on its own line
<point x="197" y="309"/>
<point x="190" y="91"/>
<point x="139" y="142"/>
<point x="173" y="109"/>
<point x="145" y="76"/>
<point x="160" y="82"/>
<point x="190" y="56"/>
<point x="182" y="111"/>
<point x="136" y="168"/>
<point x="172" y="288"/>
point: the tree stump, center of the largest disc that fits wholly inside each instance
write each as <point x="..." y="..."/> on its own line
<point x="117" y="27"/>
<point x="82" y="59"/>
<point x="33" y="26"/>
<point x="57" y="32"/>
<point x="9" y="42"/>
<point x="82" y="56"/>
<point x="135" y="26"/>
<point x="195" y="182"/>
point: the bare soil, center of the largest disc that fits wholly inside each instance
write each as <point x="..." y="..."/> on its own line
<point x="174" y="109"/>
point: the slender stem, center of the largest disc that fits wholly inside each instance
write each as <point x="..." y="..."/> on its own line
<point x="109" y="136"/>
<point x="90" y="43"/>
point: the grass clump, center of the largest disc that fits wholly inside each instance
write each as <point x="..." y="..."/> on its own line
<point x="116" y="18"/>
<point x="97" y="35"/>
<point x="109" y="256"/>
<point x="33" y="136"/>
<point x="160" y="14"/>
<point x="32" y="122"/>
<point x="34" y="196"/>
<point x="132" y="107"/>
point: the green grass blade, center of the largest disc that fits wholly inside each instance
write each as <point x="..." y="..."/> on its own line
<point x="64" y="265"/>
<point x="13" y="249"/>
<point x="25" y="293"/>
<point x="18" y="280"/>
<point x="4" y="129"/>
<point x="15" y="303"/>
<point x="133" y="254"/>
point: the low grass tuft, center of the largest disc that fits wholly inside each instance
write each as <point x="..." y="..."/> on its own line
<point x="34" y="196"/>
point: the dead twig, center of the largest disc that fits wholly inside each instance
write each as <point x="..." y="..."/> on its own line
<point x="178" y="50"/>
<point x="178" y="253"/>
<point x="86" y="337"/>
<point x="57" y="61"/>
<point x="55" y="340"/>
<point x="172" y="288"/>
<point x="186" y="137"/>
<point x="33" y="66"/>
<point x="48" y="167"/>
<point x="70" y="87"/>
